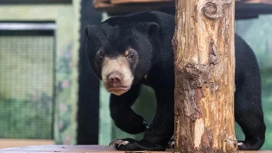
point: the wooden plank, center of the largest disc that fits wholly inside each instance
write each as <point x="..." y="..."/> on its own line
<point x="85" y="149"/>
<point x="111" y="2"/>
<point x="102" y="4"/>
<point x="113" y="9"/>
<point x="256" y="1"/>
<point x="252" y="10"/>
<point x="259" y="151"/>
<point x="244" y="8"/>
<point x="73" y="149"/>
<point x="137" y="1"/>
<point x="7" y="143"/>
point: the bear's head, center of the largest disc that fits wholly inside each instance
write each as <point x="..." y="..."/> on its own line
<point x="120" y="51"/>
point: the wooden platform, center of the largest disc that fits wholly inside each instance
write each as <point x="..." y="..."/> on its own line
<point x="67" y="148"/>
<point x="83" y="149"/>
<point x="245" y="9"/>
<point x="8" y="143"/>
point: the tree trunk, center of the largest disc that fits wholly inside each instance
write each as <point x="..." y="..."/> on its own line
<point x="204" y="67"/>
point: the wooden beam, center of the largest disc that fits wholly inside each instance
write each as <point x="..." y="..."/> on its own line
<point x="137" y="1"/>
<point x="123" y="7"/>
<point x="251" y="10"/>
<point x="159" y="1"/>
<point x="114" y="3"/>
<point x="204" y="76"/>
<point x="256" y="1"/>
<point x="244" y="9"/>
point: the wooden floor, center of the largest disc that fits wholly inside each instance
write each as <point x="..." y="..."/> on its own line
<point x="8" y="143"/>
<point x="63" y="149"/>
<point x="82" y="149"/>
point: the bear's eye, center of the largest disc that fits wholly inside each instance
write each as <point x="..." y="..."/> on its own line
<point x="130" y="56"/>
<point x="99" y="56"/>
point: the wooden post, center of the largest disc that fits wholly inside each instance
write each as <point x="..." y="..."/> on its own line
<point x="204" y="67"/>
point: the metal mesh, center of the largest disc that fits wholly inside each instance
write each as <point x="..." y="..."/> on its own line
<point x="26" y="86"/>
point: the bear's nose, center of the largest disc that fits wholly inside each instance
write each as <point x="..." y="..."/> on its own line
<point x="114" y="79"/>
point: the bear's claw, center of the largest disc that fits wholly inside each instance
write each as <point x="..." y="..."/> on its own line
<point x="118" y="142"/>
<point x="171" y="143"/>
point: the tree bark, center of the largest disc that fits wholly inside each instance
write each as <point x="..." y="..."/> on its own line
<point x="204" y="67"/>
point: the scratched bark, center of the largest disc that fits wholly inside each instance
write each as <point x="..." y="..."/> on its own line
<point x="204" y="85"/>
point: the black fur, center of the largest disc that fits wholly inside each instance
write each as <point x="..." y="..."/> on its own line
<point x="150" y="34"/>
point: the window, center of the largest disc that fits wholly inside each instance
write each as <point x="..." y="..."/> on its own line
<point x="27" y="58"/>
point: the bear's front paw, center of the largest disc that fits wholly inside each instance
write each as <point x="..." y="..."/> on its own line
<point x="134" y="145"/>
<point x="171" y="143"/>
<point x="118" y="143"/>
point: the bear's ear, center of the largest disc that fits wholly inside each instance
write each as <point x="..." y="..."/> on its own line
<point x="152" y="28"/>
<point x="88" y="30"/>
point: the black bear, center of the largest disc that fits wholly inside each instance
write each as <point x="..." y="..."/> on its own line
<point x="127" y="51"/>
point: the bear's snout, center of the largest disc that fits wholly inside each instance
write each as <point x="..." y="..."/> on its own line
<point x="116" y="75"/>
<point x="115" y="79"/>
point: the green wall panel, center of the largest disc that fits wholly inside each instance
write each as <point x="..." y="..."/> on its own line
<point x="66" y="18"/>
